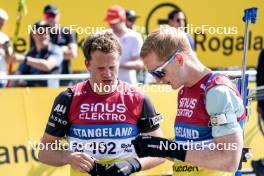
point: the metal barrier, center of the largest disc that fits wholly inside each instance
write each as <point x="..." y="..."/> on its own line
<point x="234" y="74"/>
<point x="83" y="76"/>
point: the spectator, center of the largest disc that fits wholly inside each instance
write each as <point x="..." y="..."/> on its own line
<point x="4" y="40"/>
<point x="177" y="19"/>
<point x="131" y="43"/>
<point x="258" y="166"/>
<point x="43" y="58"/>
<point x="63" y="37"/>
<point x="131" y="18"/>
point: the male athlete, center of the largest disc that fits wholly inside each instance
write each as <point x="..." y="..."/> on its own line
<point x="208" y="136"/>
<point x="100" y="116"/>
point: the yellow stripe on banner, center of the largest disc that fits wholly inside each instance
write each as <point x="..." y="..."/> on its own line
<point x="24" y="114"/>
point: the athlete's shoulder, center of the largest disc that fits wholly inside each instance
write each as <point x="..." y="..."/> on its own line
<point x="79" y="87"/>
<point x="65" y="95"/>
<point x="219" y="79"/>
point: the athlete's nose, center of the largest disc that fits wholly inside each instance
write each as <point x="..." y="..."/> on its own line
<point x="108" y="72"/>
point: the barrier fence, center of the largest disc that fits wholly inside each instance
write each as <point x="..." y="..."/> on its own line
<point x="24" y="113"/>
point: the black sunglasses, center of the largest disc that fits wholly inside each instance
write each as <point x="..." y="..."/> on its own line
<point x="160" y="72"/>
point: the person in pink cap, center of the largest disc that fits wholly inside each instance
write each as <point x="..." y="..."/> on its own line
<point x="131" y="43"/>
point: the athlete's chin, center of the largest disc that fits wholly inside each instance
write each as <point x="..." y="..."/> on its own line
<point x="173" y="86"/>
<point x="108" y="82"/>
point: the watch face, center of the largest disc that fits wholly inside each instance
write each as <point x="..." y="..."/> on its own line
<point x="214" y="121"/>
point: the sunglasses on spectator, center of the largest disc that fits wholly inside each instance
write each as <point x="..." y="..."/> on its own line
<point x="160" y="72"/>
<point x="132" y="20"/>
<point x="180" y="19"/>
<point x="50" y="15"/>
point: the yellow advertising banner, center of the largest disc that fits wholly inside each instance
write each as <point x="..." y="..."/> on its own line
<point x="25" y="111"/>
<point x="220" y="45"/>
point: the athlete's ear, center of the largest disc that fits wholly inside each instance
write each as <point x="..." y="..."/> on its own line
<point x="87" y="63"/>
<point x="179" y="58"/>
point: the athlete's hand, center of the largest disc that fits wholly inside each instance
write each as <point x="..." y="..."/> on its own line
<point x="149" y="146"/>
<point x="156" y="147"/>
<point x="123" y="168"/>
<point x="98" y="170"/>
<point x="81" y="161"/>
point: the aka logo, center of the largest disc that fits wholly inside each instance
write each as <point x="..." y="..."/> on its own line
<point x="60" y="109"/>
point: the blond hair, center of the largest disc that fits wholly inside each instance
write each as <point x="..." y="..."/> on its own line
<point x="164" y="41"/>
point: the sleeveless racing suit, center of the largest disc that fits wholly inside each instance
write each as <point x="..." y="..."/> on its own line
<point x="101" y="126"/>
<point x="193" y="123"/>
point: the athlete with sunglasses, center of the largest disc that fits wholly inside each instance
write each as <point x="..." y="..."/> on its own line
<point x="208" y="134"/>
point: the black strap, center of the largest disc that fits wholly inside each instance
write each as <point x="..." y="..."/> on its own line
<point x="153" y="121"/>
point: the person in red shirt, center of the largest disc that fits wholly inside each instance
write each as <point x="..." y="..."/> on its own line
<point x="210" y="112"/>
<point x="100" y="116"/>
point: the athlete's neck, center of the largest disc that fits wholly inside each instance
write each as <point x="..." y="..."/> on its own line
<point x="195" y="73"/>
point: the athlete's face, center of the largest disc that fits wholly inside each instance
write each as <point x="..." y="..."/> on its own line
<point x="103" y="67"/>
<point x="172" y="74"/>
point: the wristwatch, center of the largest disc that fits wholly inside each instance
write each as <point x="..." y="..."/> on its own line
<point x="25" y="60"/>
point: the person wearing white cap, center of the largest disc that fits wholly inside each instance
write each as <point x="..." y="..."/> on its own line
<point x="4" y="41"/>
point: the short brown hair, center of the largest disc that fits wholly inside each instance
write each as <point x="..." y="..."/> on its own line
<point x="104" y="41"/>
<point x="164" y="41"/>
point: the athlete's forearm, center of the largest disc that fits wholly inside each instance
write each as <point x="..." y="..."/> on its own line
<point x="53" y="157"/>
<point x="150" y="162"/>
<point x="224" y="160"/>
<point x="224" y="156"/>
<point x="213" y="159"/>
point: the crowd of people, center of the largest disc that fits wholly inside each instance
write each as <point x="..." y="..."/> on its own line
<point x="52" y="52"/>
<point x="49" y="53"/>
